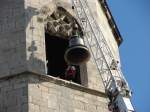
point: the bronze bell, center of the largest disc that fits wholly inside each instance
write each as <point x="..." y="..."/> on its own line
<point x="77" y="53"/>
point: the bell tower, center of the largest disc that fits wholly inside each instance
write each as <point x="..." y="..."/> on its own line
<point x="39" y="39"/>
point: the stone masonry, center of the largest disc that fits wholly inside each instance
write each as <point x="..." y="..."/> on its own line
<point x="30" y="92"/>
<point x="24" y="85"/>
<point x="22" y="43"/>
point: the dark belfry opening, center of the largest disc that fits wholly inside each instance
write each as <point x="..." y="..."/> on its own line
<point x="56" y="65"/>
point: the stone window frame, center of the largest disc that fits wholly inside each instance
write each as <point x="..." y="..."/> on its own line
<point x="47" y="18"/>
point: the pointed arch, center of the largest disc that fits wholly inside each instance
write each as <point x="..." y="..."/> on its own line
<point x="58" y="29"/>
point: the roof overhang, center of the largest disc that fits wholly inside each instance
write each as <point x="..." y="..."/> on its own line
<point x="111" y="22"/>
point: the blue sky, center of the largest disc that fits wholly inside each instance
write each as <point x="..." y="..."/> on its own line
<point x="133" y="20"/>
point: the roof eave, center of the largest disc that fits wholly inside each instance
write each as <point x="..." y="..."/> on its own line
<point x="111" y="22"/>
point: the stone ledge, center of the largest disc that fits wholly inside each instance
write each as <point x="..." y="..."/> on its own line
<point x="58" y="81"/>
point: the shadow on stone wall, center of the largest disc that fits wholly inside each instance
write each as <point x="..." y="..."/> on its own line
<point x="34" y="63"/>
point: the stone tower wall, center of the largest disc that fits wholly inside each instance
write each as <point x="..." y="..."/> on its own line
<point x="22" y="49"/>
<point x="30" y="92"/>
<point x="22" y="42"/>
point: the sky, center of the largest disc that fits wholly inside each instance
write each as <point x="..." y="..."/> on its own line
<point x="133" y="20"/>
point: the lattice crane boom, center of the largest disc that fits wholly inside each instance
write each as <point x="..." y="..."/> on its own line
<point x="114" y="82"/>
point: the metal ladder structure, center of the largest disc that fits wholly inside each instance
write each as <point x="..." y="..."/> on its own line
<point x="114" y="82"/>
